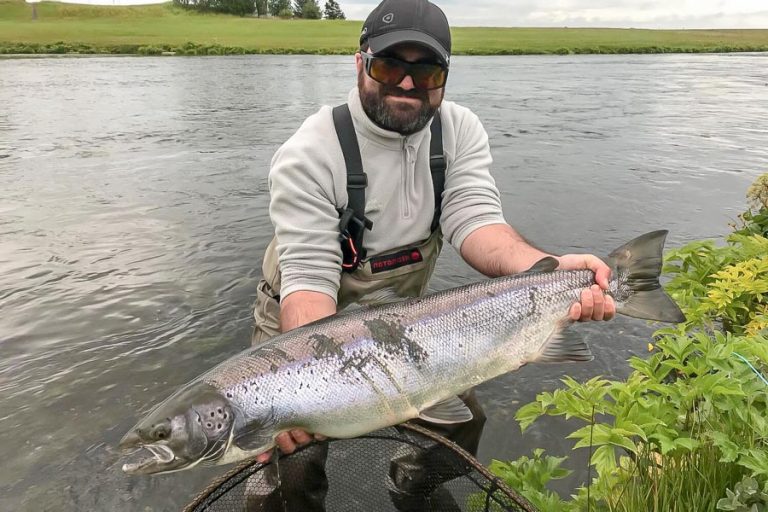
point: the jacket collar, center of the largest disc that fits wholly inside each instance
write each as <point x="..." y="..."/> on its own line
<point x="368" y="129"/>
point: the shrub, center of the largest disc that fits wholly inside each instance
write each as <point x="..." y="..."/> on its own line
<point x="688" y="429"/>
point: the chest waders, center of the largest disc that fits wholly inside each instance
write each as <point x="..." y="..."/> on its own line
<point x="414" y="476"/>
<point x="400" y="273"/>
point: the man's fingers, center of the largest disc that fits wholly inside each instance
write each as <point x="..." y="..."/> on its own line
<point x="285" y="442"/>
<point x="587" y="303"/>
<point x="288" y="442"/>
<point x="598" y="303"/>
<point x="575" y="312"/>
<point x="602" y="275"/>
<point x="300" y="437"/>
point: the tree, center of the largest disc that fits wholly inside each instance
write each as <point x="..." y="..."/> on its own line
<point x="278" y="7"/>
<point x="333" y="11"/>
<point x="307" y="9"/>
<point x="261" y="7"/>
<point x="311" y="10"/>
<point x="238" y="7"/>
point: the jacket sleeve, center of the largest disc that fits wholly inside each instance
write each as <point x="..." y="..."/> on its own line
<point x="471" y="199"/>
<point x="302" y="209"/>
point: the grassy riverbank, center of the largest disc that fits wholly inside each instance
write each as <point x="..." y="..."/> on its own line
<point x="68" y="28"/>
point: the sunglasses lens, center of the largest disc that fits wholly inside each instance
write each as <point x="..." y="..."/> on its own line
<point x="387" y="71"/>
<point x="428" y="76"/>
<point x="390" y="71"/>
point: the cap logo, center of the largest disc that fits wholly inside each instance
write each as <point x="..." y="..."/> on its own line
<point x="388" y="18"/>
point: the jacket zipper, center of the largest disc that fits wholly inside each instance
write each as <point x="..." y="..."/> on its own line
<point x="406" y="176"/>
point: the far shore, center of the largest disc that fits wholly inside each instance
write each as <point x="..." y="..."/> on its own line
<point x="164" y="29"/>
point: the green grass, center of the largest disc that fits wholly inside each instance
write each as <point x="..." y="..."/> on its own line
<point x="63" y="28"/>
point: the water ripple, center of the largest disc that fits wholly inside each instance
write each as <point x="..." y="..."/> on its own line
<point x="134" y="216"/>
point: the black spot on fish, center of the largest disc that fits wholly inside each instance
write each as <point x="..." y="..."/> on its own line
<point x="326" y="346"/>
<point x="532" y="298"/>
<point x="229" y="395"/>
<point x="274" y="355"/>
<point x="391" y="337"/>
<point x="355" y="361"/>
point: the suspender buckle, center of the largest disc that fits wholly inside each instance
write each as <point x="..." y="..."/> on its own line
<point x="437" y="163"/>
<point x="357" y="181"/>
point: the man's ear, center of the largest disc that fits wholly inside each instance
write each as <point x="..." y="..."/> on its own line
<point x="359" y="62"/>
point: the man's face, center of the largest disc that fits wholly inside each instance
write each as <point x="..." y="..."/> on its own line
<point x="400" y="108"/>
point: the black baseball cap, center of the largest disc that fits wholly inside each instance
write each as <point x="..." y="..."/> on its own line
<point x="408" y="21"/>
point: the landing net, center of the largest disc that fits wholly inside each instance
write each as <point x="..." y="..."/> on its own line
<point x="397" y="469"/>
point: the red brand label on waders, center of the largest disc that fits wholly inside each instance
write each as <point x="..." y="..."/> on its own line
<point x="395" y="260"/>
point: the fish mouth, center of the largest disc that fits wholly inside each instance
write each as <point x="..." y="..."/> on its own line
<point x="151" y="458"/>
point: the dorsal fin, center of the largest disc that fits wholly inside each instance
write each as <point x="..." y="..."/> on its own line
<point x="547" y="264"/>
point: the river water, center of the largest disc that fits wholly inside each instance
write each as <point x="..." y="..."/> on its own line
<point x="133" y="215"/>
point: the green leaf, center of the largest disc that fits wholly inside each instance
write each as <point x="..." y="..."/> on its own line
<point x="687" y="443"/>
<point x="529" y="413"/>
<point x="604" y="459"/>
<point x="728" y="449"/>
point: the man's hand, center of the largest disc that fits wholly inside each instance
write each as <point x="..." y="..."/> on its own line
<point x="289" y="441"/>
<point x="594" y="304"/>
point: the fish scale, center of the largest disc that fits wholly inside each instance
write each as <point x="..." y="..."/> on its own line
<point x="377" y="366"/>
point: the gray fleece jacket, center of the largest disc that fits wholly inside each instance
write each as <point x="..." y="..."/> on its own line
<point x="307" y="182"/>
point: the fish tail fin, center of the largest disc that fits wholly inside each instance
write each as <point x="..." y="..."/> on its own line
<point x="636" y="288"/>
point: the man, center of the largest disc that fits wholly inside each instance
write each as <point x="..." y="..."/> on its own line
<point x="402" y="69"/>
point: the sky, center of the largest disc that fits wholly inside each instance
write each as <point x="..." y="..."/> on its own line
<point x="670" y="14"/>
<point x="594" y="13"/>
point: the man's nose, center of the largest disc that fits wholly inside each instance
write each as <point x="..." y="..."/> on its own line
<point x="406" y="83"/>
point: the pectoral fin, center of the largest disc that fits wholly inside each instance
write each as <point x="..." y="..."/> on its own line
<point x="563" y="346"/>
<point x="451" y="410"/>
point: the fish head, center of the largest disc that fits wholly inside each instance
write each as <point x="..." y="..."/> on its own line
<point x="193" y="425"/>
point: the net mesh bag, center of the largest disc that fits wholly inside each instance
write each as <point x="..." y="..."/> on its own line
<point x="407" y="468"/>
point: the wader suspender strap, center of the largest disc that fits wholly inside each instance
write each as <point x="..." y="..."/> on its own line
<point x="437" y="167"/>
<point x="352" y="220"/>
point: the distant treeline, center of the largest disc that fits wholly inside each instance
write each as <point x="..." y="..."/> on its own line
<point x="306" y="9"/>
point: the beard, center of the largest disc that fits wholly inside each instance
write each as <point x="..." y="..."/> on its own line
<point x="404" y="120"/>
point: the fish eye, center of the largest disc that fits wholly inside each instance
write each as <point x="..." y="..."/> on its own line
<point x="161" y="431"/>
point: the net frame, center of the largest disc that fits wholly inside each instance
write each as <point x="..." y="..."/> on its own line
<point x="498" y="495"/>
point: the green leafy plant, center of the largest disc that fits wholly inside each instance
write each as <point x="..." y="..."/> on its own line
<point x="528" y="476"/>
<point x="746" y="497"/>
<point x="687" y="430"/>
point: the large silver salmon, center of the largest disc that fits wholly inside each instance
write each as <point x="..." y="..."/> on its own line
<point x="353" y="373"/>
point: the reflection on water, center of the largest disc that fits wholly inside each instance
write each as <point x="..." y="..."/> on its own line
<point x="133" y="217"/>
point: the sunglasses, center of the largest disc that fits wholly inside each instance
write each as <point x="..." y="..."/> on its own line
<point x="391" y="71"/>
